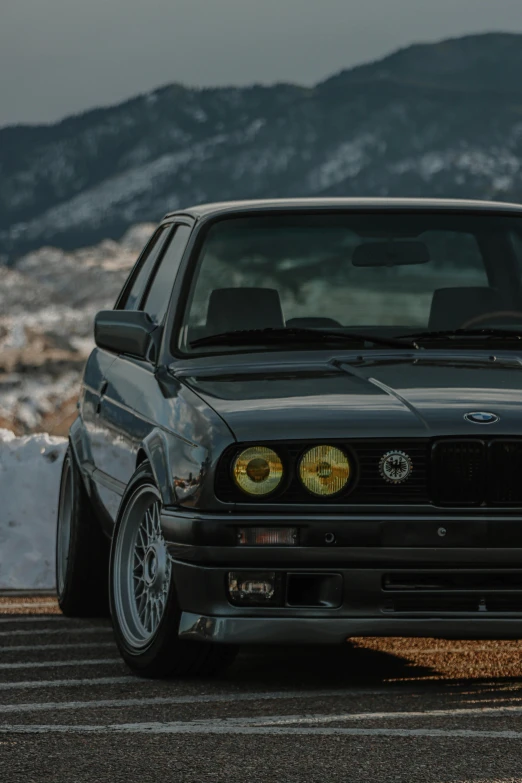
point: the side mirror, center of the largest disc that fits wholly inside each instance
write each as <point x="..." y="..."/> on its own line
<point x="124" y="331"/>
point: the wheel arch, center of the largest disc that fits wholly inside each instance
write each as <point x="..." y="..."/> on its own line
<point x="81" y="452"/>
<point x="141" y="456"/>
<point x="155" y="449"/>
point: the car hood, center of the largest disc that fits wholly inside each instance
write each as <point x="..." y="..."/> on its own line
<point x="387" y="396"/>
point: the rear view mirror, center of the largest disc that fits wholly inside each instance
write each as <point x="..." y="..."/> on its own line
<point x="124" y="331"/>
<point x="390" y="254"/>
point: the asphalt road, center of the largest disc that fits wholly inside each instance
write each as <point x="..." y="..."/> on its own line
<point x="376" y="710"/>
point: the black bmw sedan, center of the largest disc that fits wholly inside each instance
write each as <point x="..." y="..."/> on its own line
<point x="302" y="422"/>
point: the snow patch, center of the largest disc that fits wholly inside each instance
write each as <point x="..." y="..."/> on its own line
<point x="30" y="470"/>
<point x="197" y="114"/>
<point x="347" y="160"/>
<point x="253" y="129"/>
<point x="500" y="165"/>
<point x="260" y="161"/>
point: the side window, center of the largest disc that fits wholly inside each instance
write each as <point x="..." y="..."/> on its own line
<point x="516" y="242"/>
<point x="134" y="288"/>
<point x="158" y="295"/>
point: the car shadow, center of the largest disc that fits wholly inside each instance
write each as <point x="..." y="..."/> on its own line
<point x="358" y="667"/>
<point x="322" y="666"/>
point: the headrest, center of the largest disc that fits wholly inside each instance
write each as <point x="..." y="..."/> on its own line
<point x="453" y="307"/>
<point x="230" y="309"/>
<point x="314" y="323"/>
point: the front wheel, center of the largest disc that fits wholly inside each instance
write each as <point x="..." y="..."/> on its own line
<point x="143" y="600"/>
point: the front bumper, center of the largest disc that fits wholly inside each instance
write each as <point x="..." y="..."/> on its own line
<point x="406" y="581"/>
<point x="304" y="630"/>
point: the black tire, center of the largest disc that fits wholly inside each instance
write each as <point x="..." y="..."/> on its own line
<point x="82" y="555"/>
<point x="163" y="654"/>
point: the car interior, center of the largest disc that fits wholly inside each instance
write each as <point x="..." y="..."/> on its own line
<point x="232" y="309"/>
<point x="400" y="273"/>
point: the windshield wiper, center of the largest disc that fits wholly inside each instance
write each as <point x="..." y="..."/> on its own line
<point x="295" y="336"/>
<point x="442" y="334"/>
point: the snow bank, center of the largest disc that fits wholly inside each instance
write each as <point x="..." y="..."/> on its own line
<point x="29" y="478"/>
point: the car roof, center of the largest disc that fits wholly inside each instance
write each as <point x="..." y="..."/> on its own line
<point x="307" y="204"/>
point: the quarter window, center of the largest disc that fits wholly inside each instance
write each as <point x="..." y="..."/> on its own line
<point x="133" y="292"/>
<point x="158" y="296"/>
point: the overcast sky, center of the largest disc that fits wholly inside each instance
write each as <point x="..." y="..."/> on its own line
<point x="58" y="57"/>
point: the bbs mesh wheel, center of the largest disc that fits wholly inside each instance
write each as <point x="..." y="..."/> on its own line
<point x="144" y="607"/>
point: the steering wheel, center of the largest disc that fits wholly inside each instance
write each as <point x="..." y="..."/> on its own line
<point x="497" y="315"/>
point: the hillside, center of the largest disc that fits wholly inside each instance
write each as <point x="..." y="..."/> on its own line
<point x="436" y="119"/>
<point x="47" y="306"/>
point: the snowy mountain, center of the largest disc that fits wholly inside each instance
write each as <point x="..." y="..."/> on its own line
<point x="440" y="120"/>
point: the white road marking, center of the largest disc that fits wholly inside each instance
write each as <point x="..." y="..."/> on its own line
<point x="486" y="712"/>
<point x="49" y="631"/>
<point x="58" y="646"/>
<point x="252" y="726"/>
<point x="217" y="698"/>
<point x="48" y="618"/>
<point x="60" y="664"/>
<point x="71" y="646"/>
<point x="34" y="684"/>
<point x="220" y="698"/>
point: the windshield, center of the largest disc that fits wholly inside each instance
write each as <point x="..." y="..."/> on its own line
<point x="384" y="274"/>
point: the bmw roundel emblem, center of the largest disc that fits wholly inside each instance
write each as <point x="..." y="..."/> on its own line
<point x="395" y="467"/>
<point x="481" y="417"/>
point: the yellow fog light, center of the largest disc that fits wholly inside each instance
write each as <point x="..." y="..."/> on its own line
<point x="324" y="470"/>
<point x="257" y="470"/>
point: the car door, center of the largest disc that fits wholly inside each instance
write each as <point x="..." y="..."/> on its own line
<point x="129" y="380"/>
<point x="95" y="381"/>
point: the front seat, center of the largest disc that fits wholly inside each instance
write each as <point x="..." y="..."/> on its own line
<point x="453" y="307"/>
<point x="232" y="309"/>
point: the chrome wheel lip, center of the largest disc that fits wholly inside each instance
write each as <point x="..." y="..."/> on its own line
<point x="64" y="524"/>
<point x="142" y="569"/>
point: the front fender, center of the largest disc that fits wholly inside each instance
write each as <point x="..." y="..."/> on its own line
<point x="179" y="466"/>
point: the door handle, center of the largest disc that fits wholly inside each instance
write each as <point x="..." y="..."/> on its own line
<point x="103" y="389"/>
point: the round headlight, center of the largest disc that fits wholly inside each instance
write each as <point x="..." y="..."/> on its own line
<point x="257" y="470"/>
<point x="324" y="470"/>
